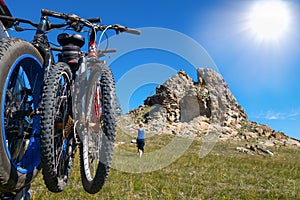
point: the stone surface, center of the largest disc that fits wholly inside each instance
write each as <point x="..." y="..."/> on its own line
<point x="184" y="107"/>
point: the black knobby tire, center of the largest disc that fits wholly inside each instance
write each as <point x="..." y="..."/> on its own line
<point x="98" y="139"/>
<point x="20" y="85"/>
<point x="57" y="137"/>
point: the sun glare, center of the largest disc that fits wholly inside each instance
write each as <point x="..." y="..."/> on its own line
<point x="269" y="20"/>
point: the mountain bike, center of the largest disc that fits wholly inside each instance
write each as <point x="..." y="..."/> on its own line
<point x="50" y="107"/>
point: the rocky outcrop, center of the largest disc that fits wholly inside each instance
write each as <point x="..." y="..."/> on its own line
<point x="184" y="99"/>
<point x="184" y="107"/>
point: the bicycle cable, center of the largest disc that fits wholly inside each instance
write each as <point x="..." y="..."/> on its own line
<point x="104" y="33"/>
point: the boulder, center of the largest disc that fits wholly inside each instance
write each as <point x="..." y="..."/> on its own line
<point x="183" y="107"/>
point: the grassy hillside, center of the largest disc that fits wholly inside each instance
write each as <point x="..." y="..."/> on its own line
<point x="223" y="174"/>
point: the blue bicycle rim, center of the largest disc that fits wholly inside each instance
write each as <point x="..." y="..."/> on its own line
<point x="30" y="74"/>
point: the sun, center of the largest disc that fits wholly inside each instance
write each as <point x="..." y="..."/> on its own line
<point x="269" y="20"/>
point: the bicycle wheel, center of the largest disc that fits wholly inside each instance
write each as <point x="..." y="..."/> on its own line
<point x="57" y="137"/>
<point x="20" y="83"/>
<point x="96" y="149"/>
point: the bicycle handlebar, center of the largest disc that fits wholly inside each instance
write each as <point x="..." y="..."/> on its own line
<point x="54" y="14"/>
<point x="94" y="20"/>
<point x="75" y="18"/>
<point x="133" y="31"/>
<point x="108" y="51"/>
<point x="120" y="28"/>
<point x="70" y="19"/>
<point x="13" y="19"/>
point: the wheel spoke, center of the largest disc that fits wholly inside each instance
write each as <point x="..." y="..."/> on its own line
<point x="19" y="108"/>
<point x="97" y="139"/>
<point x="20" y="80"/>
<point x="58" y="119"/>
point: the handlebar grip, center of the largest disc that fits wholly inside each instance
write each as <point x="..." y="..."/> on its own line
<point x="54" y="14"/>
<point x="132" y="31"/>
<point x="94" y="20"/>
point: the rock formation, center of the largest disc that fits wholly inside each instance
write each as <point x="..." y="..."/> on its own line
<point x="184" y="107"/>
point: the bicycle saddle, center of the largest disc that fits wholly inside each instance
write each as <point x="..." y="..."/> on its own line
<point x="66" y="39"/>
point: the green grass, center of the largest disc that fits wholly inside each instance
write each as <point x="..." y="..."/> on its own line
<point x="223" y="174"/>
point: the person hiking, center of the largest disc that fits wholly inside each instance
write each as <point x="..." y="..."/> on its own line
<point x="140" y="140"/>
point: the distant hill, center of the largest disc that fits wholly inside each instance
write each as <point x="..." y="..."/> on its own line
<point x="184" y="107"/>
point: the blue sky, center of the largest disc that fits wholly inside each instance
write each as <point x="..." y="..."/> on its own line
<point x="261" y="73"/>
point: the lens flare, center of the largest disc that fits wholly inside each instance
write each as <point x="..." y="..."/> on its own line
<point x="269" y="20"/>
